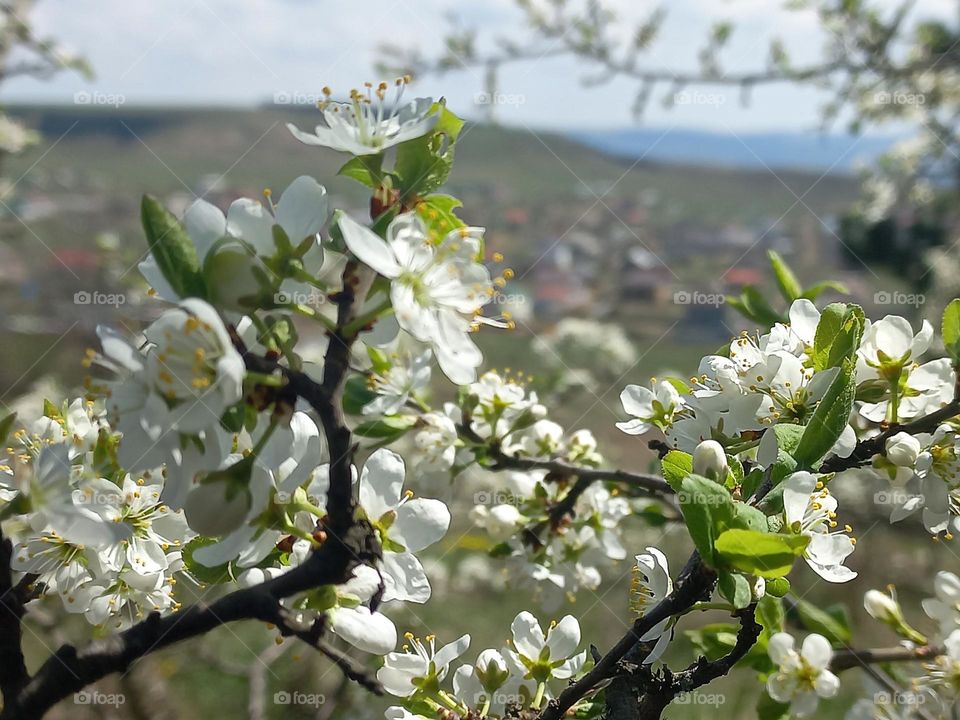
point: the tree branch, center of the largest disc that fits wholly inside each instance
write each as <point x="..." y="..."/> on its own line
<point x="660" y="690"/>
<point x="69" y="670"/>
<point x="866" y="449"/>
<point x="695" y="583"/>
<point x="850" y="658"/>
<point x="349" y="542"/>
<point x="13" y="669"/>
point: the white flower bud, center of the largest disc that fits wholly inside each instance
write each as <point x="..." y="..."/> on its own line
<point x="502" y="521"/>
<point x="759" y="588"/>
<point x="903" y="449"/>
<point x="882" y="607"/>
<point x="212" y="511"/>
<point x="710" y="461"/>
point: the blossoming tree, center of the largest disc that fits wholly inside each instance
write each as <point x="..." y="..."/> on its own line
<point x="219" y="448"/>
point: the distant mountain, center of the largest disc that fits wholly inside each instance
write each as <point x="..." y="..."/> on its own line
<point x="840" y="153"/>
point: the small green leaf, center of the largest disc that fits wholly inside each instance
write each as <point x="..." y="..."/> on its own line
<point x="758" y="553"/>
<point x="747" y="517"/>
<point x="713" y="640"/>
<point x="789" y="286"/>
<point x="778" y="587"/>
<point x="755" y="306"/>
<point x="770" y="709"/>
<point x="735" y="588"/>
<point x="828" y="420"/>
<point x="770" y="612"/>
<point x="837" y="336"/>
<point x="816" y="290"/>
<point x="365" y="169"/>
<point x="356" y="394"/>
<point x="832" y="625"/>
<point x="6" y="425"/>
<point x="951" y="330"/>
<point x="423" y="164"/>
<point x="707" y="510"/>
<point x="675" y="466"/>
<point x="439" y="213"/>
<point x="389" y="428"/>
<point x="172" y="249"/>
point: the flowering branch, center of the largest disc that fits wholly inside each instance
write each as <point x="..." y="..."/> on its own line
<point x="69" y="670"/>
<point x="651" y="484"/>
<point x="660" y="691"/>
<point x="866" y="449"/>
<point x="695" y="582"/>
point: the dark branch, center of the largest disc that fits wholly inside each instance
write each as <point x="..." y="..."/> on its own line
<point x="13" y="670"/>
<point x="866" y="449"/>
<point x="349" y="542"/>
<point x="694" y="584"/>
<point x="70" y="669"/>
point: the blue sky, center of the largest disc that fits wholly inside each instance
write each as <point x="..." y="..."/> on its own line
<point x="251" y="51"/>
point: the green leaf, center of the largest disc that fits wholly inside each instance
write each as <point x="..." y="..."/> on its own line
<point x="828" y="420"/>
<point x="735" y="588"/>
<point x="675" y="466"/>
<point x="713" y="640"/>
<point x="389" y="428"/>
<point x="172" y="249"/>
<point x="770" y="613"/>
<point x="438" y="212"/>
<point x="51" y="411"/>
<point x="424" y="164"/>
<point x="778" y="587"/>
<point x="816" y="290"/>
<point x="752" y="304"/>
<point x="837" y="336"/>
<point x="950" y="327"/>
<point x="770" y="709"/>
<point x="707" y="510"/>
<point x="747" y="517"/>
<point x="832" y="625"/>
<point x="6" y="425"/>
<point x="768" y="555"/>
<point x="789" y="286"/>
<point x="365" y="169"/>
<point x="356" y="394"/>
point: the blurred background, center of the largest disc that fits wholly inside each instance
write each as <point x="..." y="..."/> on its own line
<point x="633" y="162"/>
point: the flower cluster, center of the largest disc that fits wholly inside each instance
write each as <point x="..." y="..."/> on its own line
<point x="509" y="679"/>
